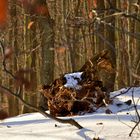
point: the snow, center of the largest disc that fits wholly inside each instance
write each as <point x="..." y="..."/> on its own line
<point x="115" y="126"/>
<point x="73" y="79"/>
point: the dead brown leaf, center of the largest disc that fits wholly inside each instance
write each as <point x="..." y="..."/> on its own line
<point x="30" y="25"/>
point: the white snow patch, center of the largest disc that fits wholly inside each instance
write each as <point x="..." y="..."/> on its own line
<point x="116" y="126"/>
<point x="73" y="79"/>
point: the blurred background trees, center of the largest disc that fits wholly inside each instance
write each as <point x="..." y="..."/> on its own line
<point x="45" y="39"/>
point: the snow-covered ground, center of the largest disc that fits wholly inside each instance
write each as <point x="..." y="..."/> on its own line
<point x="115" y="126"/>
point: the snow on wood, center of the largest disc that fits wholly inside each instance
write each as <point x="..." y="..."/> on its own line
<point x="79" y="92"/>
<point x="72" y="80"/>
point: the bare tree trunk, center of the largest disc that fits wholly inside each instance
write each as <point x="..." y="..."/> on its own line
<point x="136" y="56"/>
<point x="12" y="101"/>
<point x="47" y="44"/>
<point x="109" y="43"/>
<point x="47" y="52"/>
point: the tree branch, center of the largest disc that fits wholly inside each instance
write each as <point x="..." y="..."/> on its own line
<point x="121" y="93"/>
<point x="113" y="9"/>
<point x="65" y="121"/>
<point x="16" y="95"/>
<point x="4" y="61"/>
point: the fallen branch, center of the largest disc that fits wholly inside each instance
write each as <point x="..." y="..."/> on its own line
<point x="16" y="95"/>
<point x="65" y="121"/>
<point x="121" y="93"/>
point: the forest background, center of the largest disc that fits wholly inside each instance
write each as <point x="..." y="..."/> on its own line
<point x="45" y="39"/>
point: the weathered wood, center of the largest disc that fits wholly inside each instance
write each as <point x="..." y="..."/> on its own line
<point x="91" y="94"/>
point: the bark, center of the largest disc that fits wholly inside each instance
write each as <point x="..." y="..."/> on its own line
<point x="14" y="65"/>
<point x="47" y="44"/>
<point x="47" y="50"/>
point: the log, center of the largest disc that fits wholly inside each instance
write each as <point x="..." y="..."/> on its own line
<point x="79" y="92"/>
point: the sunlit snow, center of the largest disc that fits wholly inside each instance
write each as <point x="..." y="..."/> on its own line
<point x="72" y="80"/>
<point x="115" y="126"/>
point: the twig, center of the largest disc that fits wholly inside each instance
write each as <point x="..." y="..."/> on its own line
<point x="64" y="121"/>
<point x="134" y="35"/>
<point x="138" y="115"/>
<point x="105" y="41"/>
<point x="125" y="109"/>
<point x="17" y="96"/>
<point x="4" y="61"/>
<point x="136" y="76"/>
<point x="113" y="9"/>
<point x="122" y="121"/>
<point x="121" y="93"/>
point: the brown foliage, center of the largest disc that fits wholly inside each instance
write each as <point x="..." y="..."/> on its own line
<point x="99" y="61"/>
<point x="64" y="101"/>
<point x="30" y="25"/>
